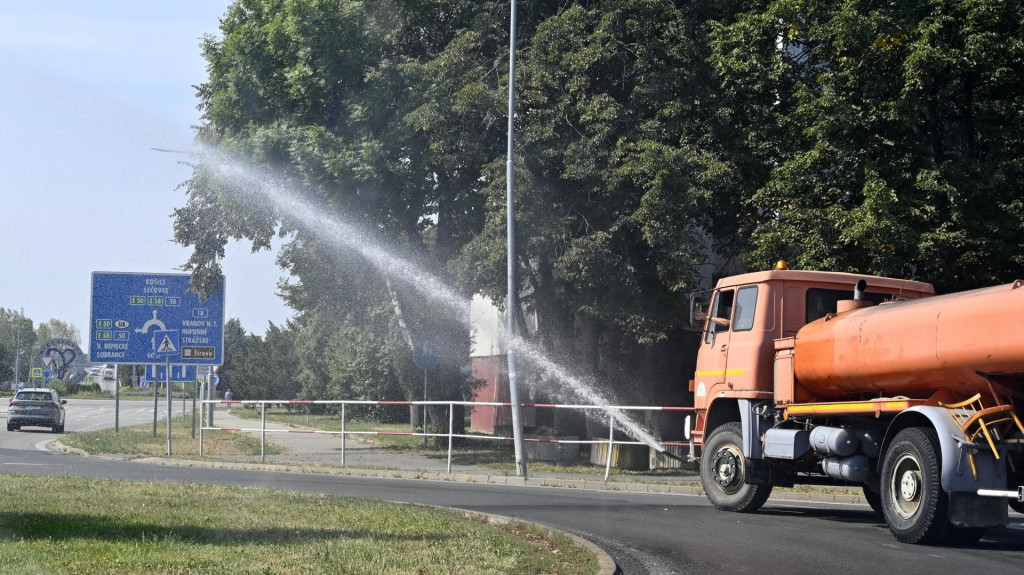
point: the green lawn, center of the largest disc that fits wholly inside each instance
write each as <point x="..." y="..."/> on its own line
<point x="139" y="440"/>
<point x="84" y="526"/>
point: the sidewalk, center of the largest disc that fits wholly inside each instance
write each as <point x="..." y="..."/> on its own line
<point x="321" y="453"/>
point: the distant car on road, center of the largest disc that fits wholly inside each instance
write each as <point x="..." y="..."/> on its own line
<point x="36" y="407"/>
<point x="94" y="371"/>
<point x="108" y="373"/>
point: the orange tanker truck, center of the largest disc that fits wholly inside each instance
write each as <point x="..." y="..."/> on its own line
<point x="826" y="378"/>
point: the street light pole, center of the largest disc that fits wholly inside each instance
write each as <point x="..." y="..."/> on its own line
<point x="511" y="301"/>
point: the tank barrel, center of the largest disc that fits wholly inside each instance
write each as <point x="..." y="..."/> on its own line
<point x="915" y="347"/>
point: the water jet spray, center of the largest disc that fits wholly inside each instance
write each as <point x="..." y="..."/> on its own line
<point x="258" y="184"/>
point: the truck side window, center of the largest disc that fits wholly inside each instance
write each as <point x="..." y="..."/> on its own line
<point x="722" y="307"/>
<point x="746" y="303"/>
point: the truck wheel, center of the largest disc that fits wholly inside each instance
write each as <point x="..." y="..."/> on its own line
<point x="873" y="499"/>
<point x="723" y="472"/>
<point x="913" y="502"/>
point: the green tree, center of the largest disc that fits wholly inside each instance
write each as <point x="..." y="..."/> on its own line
<point x="260" y="368"/>
<point x="10" y="321"/>
<point x="893" y="132"/>
<point x="621" y="188"/>
<point x="57" y="329"/>
<point x="383" y="112"/>
<point x="238" y="353"/>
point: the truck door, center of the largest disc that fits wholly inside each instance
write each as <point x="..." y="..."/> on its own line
<point x="751" y="344"/>
<point x="712" y="359"/>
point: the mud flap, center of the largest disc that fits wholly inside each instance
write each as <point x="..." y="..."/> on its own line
<point x="971" y="510"/>
<point x="759" y="472"/>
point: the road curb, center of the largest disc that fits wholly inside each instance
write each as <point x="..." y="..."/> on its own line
<point x="66" y="449"/>
<point x="605" y="564"/>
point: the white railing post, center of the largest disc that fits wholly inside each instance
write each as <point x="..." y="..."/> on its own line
<point x="451" y="431"/>
<point x="343" y="435"/>
<point x="263" y="432"/>
<point x="611" y="445"/>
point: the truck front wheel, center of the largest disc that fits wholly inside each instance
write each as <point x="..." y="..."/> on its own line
<point x="723" y="472"/>
<point x="913" y="502"/>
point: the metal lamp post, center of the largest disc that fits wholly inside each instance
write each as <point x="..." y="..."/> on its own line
<point x="511" y="301"/>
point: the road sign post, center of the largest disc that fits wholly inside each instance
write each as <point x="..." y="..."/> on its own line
<point x="426" y="356"/>
<point x="169" y="409"/>
<point x="167" y="346"/>
<point x="156" y="403"/>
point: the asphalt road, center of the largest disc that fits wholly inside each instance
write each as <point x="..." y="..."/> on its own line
<point x="85" y="415"/>
<point x="644" y="533"/>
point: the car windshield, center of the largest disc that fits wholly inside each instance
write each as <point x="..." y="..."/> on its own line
<point x="34" y="396"/>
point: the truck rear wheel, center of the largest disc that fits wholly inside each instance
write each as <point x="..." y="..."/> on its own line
<point x="723" y="472"/>
<point x="913" y="502"/>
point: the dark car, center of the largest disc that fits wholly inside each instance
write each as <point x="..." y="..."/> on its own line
<point x="36" y="407"/>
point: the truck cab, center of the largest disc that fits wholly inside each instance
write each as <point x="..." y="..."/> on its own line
<point x="747" y="314"/>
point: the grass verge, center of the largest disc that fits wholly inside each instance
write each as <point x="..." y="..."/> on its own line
<point x="87" y="526"/>
<point x="139" y="440"/>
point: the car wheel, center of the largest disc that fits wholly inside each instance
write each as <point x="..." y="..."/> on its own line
<point x="723" y="472"/>
<point x="10" y="427"/>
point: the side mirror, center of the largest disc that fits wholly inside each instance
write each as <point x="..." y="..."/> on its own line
<point x="63" y="402"/>
<point x="698" y="309"/>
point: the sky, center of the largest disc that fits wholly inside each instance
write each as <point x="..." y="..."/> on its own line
<point x="87" y="89"/>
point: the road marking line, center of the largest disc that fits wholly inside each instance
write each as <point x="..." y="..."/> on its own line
<point x="33" y="464"/>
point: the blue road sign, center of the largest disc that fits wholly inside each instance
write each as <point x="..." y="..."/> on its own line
<point x="426" y="356"/>
<point x="129" y="308"/>
<point x="179" y="373"/>
<point x="47" y="374"/>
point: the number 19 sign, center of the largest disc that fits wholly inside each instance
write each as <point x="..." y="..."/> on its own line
<point x="128" y="309"/>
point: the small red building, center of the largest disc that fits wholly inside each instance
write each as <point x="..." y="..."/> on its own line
<point x="490" y="366"/>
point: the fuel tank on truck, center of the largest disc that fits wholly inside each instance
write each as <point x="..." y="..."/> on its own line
<point x="913" y="348"/>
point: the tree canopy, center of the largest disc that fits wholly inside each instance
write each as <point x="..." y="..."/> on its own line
<point x="659" y="143"/>
<point x="11" y="323"/>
